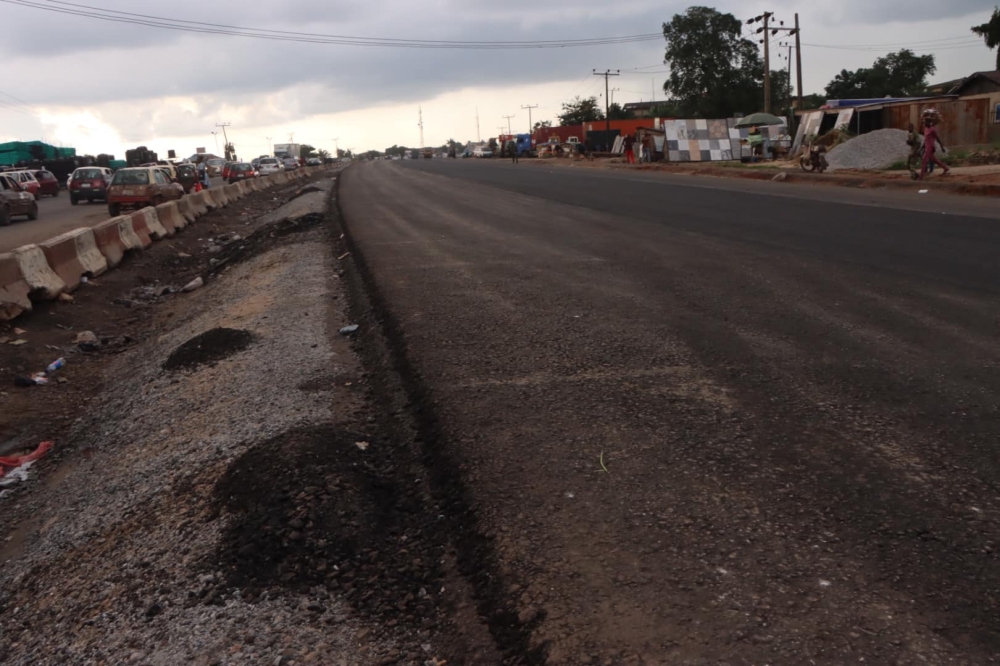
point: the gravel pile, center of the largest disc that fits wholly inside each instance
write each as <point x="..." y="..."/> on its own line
<point x="875" y="150"/>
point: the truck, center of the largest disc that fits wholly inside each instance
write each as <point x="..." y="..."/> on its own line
<point x="282" y="150"/>
<point x="521" y="141"/>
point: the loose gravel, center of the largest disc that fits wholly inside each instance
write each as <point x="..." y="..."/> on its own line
<point x="875" y="150"/>
<point x="138" y="549"/>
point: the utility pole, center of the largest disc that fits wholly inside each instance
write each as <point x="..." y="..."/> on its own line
<point x="507" y="118"/>
<point x="769" y="31"/>
<point x="215" y="135"/>
<point x="420" y="124"/>
<point x="270" y="149"/>
<point x="291" y="137"/>
<point x="767" y="65"/>
<point x="613" y="91"/>
<point x="479" y="137"/>
<point x="607" y="103"/>
<point x="226" y="138"/>
<point x="529" y="107"/>
<point x="798" y="59"/>
<point x="336" y="148"/>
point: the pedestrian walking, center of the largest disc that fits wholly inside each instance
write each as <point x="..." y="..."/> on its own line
<point x="931" y="141"/>
<point x="630" y="149"/>
<point x="913" y="141"/>
<point x="512" y="147"/>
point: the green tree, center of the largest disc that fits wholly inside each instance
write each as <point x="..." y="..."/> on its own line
<point x="617" y="112"/>
<point x="542" y="124"/>
<point x="578" y="111"/>
<point x="781" y="89"/>
<point x="900" y="74"/>
<point x="323" y="154"/>
<point x="306" y="151"/>
<point x="714" y="70"/>
<point x="813" y="101"/>
<point x="990" y="32"/>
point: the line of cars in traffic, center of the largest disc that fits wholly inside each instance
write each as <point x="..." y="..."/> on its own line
<point x="130" y="187"/>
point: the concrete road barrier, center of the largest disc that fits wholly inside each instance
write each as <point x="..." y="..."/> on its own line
<point x="73" y="255"/>
<point x="234" y="192"/>
<point x="186" y="210"/>
<point x="170" y="217"/>
<point x="219" y="196"/>
<point x="25" y="274"/>
<point x="117" y="236"/>
<point x="280" y="177"/>
<point x="205" y="196"/>
<point x="14" y="289"/>
<point x="147" y="220"/>
<point x="254" y="186"/>
<point x="196" y="204"/>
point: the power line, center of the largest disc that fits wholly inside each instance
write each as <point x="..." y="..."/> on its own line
<point x="87" y="11"/>
<point x="947" y="47"/>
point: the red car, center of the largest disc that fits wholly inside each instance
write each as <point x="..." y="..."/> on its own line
<point x="47" y="183"/>
<point x="240" y="171"/>
<point x="226" y="169"/>
<point x="89" y="183"/>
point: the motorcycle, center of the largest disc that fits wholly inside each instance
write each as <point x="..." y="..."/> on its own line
<point x="814" y="160"/>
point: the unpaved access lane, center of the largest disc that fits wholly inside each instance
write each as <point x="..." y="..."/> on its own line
<point x="705" y="435"/>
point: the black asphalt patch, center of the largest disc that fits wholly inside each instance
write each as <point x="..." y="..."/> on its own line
<point x="209" y="347"/>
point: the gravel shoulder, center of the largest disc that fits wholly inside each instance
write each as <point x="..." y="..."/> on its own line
<point x="250" y="504"/>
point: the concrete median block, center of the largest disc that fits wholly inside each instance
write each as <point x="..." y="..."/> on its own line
<point x="209" y="199"/>
<point x="187" y="207"/>
<point x="170" y="217"/>
<point x="147" y="220"/>
<point x="253" y="186"/>
<point x="73" y="255"/>
<point x="233" y="192"/>
<point x="219" y="197"/>
<point x="14" y="289"/>
<point x="196" y="204"/>
<point x="117" y="236"/>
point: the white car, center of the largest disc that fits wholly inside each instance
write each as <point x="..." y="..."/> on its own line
<point x="482" y="151"/>
<point x="269" y="165"/>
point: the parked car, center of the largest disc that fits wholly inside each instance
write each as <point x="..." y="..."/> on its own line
<point x="215" y="166"/>
<point x="482" y="151"/>
<point x="27" y="181"/>
<point x="14" y="200"/>
<point x="225" y="170"/>
<point x="314" y="161"/>
<point x="290" y="163"/>
<point x="187" y="176"/>
<point x="138" y="187"/>
<point x="48" y="185"/>
<point x="241" y="171"/>
<point x="269" y="165"/>
<point x="89" y="183"/>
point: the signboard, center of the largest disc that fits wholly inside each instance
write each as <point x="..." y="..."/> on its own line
<point x="199" y="151"/>
<point x="171" y="154"/>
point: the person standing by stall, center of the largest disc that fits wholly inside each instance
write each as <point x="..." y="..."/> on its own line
<point x="630" y="149"/>
<point x="931" y="142"/>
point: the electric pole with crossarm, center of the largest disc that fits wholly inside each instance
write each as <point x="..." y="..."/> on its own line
<point x="607" y="102"/>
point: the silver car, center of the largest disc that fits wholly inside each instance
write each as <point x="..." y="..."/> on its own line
<point x="269" y="165"/>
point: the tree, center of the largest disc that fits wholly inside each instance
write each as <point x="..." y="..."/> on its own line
<point x="578" y="111"/>
<point x="323" y="154"/>
<point x="617" y="112"/>
<point x="781" y="89"/>
<point x="542" y="124"/>
<point x="990" y="32"/>
<point x="306" y="151"/>
<point x="813" y="101"/>
<point x="900" y="74"/>
<point x="714" y="70"/>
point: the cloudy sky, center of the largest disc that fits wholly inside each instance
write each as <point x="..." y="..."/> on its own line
<point x="102" y="86"/>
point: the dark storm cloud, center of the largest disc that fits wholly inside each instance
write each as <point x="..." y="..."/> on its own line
<point x="67" y="60"/>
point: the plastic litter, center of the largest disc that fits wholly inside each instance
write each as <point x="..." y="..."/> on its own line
<point x="196" y="283"/>
<point x="349" y="330"/>
<point x="12" y="464"/>
<point x="55" y="366"/>
<point x="922" y="192"/>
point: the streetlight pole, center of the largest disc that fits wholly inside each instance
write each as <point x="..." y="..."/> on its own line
<point x="336" y="148"/>
<point x="216" y="136"/>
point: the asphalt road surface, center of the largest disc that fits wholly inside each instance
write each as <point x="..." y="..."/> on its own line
<point x="707" y="421"/>
<point x="56" y="216"/>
